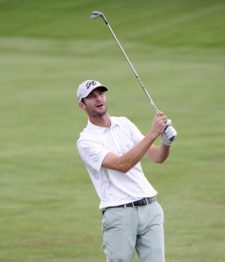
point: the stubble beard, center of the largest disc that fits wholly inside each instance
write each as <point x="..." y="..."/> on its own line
<point x="98" y="114"/>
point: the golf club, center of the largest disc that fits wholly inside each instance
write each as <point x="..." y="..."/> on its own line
<point x="97" y="14"/>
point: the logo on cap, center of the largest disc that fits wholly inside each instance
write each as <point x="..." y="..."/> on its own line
<point x="90" y="83"/>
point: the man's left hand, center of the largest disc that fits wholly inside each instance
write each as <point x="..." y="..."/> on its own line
<point x="169" y="134"/>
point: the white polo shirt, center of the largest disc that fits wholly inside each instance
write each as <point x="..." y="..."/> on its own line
<point x="113" y="187"/>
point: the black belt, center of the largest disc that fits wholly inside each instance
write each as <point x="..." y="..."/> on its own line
<point x="142" y="202"/>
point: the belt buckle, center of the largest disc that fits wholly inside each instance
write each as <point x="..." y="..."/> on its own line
<point x="145" y="201"/>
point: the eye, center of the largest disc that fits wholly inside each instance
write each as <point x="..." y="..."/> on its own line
<point x="90" y="96"/>
<point x="93" y="95"/>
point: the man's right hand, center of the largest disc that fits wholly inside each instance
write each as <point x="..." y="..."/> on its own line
<point x="159" y="124"/>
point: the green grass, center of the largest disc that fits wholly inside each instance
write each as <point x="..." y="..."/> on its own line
<point x="48" y="207"/>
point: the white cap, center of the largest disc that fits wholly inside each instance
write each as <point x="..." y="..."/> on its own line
<point x="86" y="87"/>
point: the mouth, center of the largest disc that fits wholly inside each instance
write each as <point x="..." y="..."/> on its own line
<point x="100" y="106"/>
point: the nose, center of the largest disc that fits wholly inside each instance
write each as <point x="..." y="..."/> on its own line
<point x="98" y="97"/>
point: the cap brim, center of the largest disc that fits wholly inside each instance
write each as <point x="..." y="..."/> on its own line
<point x="101" y="87"/>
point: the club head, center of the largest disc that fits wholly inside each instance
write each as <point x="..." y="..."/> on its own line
<point x="96" y="14"/>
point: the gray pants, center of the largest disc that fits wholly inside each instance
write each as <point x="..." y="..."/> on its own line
<point x="134" y="228"/>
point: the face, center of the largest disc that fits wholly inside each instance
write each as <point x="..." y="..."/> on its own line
<point x="95" y="103"/>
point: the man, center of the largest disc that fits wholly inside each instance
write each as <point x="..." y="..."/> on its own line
<point x="111" y="148"/>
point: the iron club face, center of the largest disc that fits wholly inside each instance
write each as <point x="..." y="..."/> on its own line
<point x="95" y="14"/>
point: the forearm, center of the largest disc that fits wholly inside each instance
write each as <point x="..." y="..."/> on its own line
<point x="158" y="154"/>
<point x="132" y="157"/>
<point x="125" y="162"/>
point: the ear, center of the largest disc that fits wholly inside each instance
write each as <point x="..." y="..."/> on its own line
<point x="82" y="105"/>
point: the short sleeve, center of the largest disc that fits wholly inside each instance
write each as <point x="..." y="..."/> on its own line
<point x="92" y="152"/>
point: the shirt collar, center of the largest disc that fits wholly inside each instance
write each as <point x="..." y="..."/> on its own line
<point x="99" y="129"/>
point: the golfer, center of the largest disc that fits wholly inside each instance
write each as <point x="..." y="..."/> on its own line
<point x="111" y="149"/>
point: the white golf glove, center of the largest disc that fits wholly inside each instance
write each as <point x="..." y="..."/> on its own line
<point x="169" y="134"/>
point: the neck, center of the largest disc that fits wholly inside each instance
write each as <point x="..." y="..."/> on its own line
<point x="103" y="121"/>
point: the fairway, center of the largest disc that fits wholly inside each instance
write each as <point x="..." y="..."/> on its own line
<point x="48" y="206"/>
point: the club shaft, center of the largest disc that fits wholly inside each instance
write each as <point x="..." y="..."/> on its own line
<point x="132" y="67"/>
